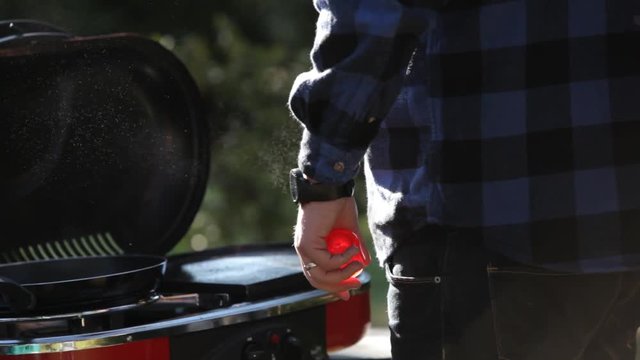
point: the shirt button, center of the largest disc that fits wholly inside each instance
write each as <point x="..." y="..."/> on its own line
<point x="371" y="120"/>
<point x="339" y="166"/>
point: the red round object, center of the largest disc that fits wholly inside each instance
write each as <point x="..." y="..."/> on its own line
<point x="275" y="339"/>
<point x="339" y="240"/>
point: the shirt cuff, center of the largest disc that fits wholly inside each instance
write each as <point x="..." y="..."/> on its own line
<point x="326" y="163"/>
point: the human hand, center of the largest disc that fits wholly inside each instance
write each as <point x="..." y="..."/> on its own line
<point x="315" y="221"/>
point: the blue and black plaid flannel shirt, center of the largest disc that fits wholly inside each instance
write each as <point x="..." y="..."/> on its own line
<point x="520" y="118"/>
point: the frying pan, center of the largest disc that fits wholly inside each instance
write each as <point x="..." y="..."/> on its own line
<point x="66" y="284"/>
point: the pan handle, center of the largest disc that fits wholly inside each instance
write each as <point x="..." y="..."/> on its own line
<point x="17" y="297"/>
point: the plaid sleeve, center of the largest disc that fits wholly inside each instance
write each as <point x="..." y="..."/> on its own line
<point x="360" y="55"/>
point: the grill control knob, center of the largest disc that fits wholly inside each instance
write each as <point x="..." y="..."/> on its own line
<point x="254" y="351"/>
<point x="292" y="348"/>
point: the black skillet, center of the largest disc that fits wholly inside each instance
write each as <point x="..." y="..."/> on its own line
<point x="67" y="285"/>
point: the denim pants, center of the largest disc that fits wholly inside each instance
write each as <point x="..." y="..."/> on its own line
<point x="450" y="298"/>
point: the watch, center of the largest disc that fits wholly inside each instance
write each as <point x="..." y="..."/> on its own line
<point x="303" y="191"/>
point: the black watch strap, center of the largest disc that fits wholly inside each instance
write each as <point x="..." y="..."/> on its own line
<point x="303" y="191"/>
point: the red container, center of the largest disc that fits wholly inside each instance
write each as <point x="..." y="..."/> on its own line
<point x="347" y="321"/>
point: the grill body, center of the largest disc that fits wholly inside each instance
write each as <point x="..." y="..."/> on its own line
<point x="258" y="318"/>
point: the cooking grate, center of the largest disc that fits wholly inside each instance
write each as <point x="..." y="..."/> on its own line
<point x="101" y="244"/>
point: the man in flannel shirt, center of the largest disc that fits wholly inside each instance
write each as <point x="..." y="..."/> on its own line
<point x="500" y="141"/>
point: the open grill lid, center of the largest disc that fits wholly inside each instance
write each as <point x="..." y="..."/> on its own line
<point x="103" y="143"/>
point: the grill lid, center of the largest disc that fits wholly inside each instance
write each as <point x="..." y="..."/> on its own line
<point x="100" y="138"/>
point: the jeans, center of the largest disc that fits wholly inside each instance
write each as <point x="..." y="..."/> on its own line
<point x="451" y="298"/>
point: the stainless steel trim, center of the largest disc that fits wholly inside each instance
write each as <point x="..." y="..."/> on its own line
<point x="235" y="314"/>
